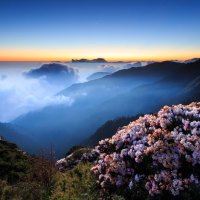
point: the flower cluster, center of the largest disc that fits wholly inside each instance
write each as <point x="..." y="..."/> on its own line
<point x="161" y="153"/>
<point x="79" y="156"/>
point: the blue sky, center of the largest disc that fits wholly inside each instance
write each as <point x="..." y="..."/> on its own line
<point x="76" y="28"/>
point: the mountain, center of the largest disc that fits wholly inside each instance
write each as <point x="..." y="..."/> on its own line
<point x="97" y="60"/>
<point x="97" y="75"/>
<point x="19" y="136"/>
<point x="107" y="130"/>
<point x="125" y="93"/>
<point x="192" y="60"/>
<point x="123" y="80"/>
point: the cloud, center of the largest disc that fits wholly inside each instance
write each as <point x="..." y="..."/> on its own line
<point x="3" y="77"/>
<point x="113" y="68"/>
<point x="134" y="64"/>
<point x="31" y="102"/>
<point x="109" y="68"/>
<point x="21" y="92"/>
<point x="20" y="95"/>
<point x="55" y="74"/>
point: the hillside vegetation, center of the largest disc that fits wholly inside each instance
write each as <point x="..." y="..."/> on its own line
<point x="152" y="158"/>
<point x="107" y="130"/>
<point x="23" y="177"/>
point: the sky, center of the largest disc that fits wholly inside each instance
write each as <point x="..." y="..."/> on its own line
<point x="128" y="30"/>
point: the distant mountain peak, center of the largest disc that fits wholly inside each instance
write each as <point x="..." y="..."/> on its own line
<point x="192" y="60"/>
<point x="96" y="60"/>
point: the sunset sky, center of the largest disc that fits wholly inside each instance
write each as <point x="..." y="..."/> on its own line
<point x="44" y="30"/>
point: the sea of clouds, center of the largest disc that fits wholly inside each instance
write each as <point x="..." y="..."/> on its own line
<point x="20" y="93"/>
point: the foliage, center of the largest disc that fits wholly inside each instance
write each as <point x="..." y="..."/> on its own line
<point x="73" y="149"/>
<point x="108" y="129"/>
<point x="77" y="184"/>
<point x="154" y="157"/>
<point x="13" y="162"/>
<point x="23" y="177"/>
<point x="21" y="191"/>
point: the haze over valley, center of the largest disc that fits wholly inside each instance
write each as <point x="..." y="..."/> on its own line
<point x="47" y="101"/>
<point x="99" y="100"/>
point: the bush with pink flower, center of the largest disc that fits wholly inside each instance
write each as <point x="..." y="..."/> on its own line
<point x="156" y="155"/>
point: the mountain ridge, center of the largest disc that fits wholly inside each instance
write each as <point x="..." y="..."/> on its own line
<point x="96" y="101"/>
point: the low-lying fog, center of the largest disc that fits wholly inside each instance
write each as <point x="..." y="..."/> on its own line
<point x="28" y="86"/>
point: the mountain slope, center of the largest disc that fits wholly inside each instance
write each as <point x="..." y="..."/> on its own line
<point x="126" y="92"/>
<point x="18" y="136"/>
<point x="120" y="79"/>
<point x="13" y="162"/>
<point x="107" y="130"/>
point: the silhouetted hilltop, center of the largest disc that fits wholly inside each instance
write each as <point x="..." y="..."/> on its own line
<point x="191" y="60"/>
<point x="100" y="60"/>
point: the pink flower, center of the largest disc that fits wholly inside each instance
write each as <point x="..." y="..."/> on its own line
<point x="152" y="151"/>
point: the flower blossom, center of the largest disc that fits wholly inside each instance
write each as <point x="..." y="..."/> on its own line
<point x="160" y="152"/>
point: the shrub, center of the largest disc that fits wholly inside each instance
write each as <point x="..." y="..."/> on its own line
<point x="156" y="156"/>
<point x="13" y="162"/>
<point x="21" y="191"/>
<point x="77" y="184"/>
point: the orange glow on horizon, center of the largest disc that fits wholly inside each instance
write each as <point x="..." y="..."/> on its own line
<point x="110" y="54"/>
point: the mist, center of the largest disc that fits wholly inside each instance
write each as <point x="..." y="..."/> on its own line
<point x="20" y="94"/>
<point x="64" y="108"/>
<point x="31" y="86"/>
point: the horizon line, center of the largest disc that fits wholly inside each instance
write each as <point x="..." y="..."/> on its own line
<point x="107" y="60"/>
